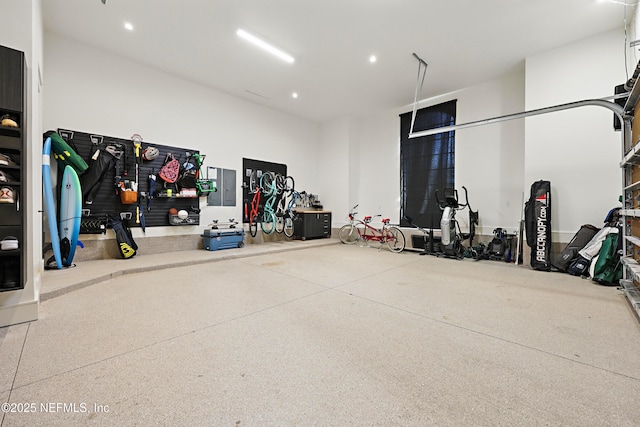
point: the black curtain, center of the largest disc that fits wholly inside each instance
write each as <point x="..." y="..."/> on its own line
<point x="426" y="163"/>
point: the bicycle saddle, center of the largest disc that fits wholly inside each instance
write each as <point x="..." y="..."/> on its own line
<point x="386" y="220"/>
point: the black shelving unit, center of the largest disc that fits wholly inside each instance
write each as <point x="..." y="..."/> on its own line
<point x="12" y="271"/>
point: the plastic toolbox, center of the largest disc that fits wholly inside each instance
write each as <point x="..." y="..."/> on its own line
<point x="215" y="239"/>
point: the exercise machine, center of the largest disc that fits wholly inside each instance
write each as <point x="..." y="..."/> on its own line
<point x="429" y="247"/>
<point x="451" y="236"/>
<point x="449" y="243"/>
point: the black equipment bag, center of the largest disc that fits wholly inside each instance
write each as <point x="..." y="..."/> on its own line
<point x="103" y="159"/>
<point x="570" y="252"/>
<point x="579" y="266"/>
<point x="537" y="216"/>
<point x="127" y="247"/>
<point x="187" y="178"/>
<point x="497" y="247"/>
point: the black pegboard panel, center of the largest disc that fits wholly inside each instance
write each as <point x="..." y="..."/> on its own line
<point x="107" y="201"/>
<point x="248" y="166"/>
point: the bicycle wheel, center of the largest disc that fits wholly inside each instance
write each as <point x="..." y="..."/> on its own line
<point x="289" y="184"/>
<point x="279" y="183"/>
<point x="267" y="183"/>
<point x="288" y="226"/>
<point x="254" y="181"/>
<point x="279" y="224"/>
<point x="268" y="224"/>
<point x="253" y="226"/>
<point x="348" y="234"/>
<point x="394" y="239"/>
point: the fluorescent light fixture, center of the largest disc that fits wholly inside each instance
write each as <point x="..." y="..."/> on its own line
<point x="624" y="2"/>
<point x="373" y="59"/>
<point x="128" y="26"/>
<point x="264" y="45"/>
<point x="294" y="95"/>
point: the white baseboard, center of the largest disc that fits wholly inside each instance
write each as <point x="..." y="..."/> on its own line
<point x="19" y="313"/>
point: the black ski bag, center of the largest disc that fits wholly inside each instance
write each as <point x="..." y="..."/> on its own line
<point x="537" y="216"/>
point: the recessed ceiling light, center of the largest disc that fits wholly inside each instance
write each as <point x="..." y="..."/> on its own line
<point x="128" y="26"/>
<point x="373" y="59"/>
<point x="264" y="45"/>
<point x="294" y="95"/>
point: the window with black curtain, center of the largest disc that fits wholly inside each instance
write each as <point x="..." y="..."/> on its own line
<point x="426" y="163"/>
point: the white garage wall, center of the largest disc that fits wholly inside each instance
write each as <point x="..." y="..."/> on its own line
<point x="577" y="150"/>
<point x="336" y="166"/>
<point x="489" y="159"/>
<point x="378" y="156"/>
<point x="356" y="160"/>
<point x="90" y="90"/>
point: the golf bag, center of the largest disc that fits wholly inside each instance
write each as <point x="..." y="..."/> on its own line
<point x="127" y="247"/>
<point x="570" y="252"/>
<point x="537" y="214"/>
<point x="607" y="268"/>
<point x="580" y="265"/>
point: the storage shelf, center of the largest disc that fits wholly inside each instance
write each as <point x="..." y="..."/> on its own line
<point x="174" y="197"/>
<point x="10" y="131"/>
<point x="631" y="265"/>
<point x="12" y="252"/>
<point x="12" y="262"/>
<point x="633" y="98"/>
<point x="631" y="161"/>
<point x="10" y="145"/>
<point x="192" y="219"/>
<point x="631" y="291"/>
<point x="633" y="239"/>
<point x="635" y="213"/>
<point x="634" y="186"/>
<point x="633" y="295"/>
<point x="632" y="157"/>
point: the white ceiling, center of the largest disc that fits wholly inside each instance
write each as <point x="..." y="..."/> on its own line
<point x="465" y="42"/>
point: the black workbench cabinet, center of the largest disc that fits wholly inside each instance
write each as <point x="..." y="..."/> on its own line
<point x="311" y="224"/>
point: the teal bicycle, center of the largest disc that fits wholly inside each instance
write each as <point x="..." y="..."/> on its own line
<point x="270" y="191"/>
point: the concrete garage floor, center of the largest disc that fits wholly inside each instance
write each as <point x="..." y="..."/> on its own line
<point x="321" y="334"/>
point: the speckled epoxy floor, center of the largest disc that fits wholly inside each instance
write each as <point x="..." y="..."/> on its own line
<point x="329" y="335"/>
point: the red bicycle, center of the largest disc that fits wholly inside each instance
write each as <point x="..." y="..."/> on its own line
<point x="358" y="230"/>
<point x="254" y="215"/>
